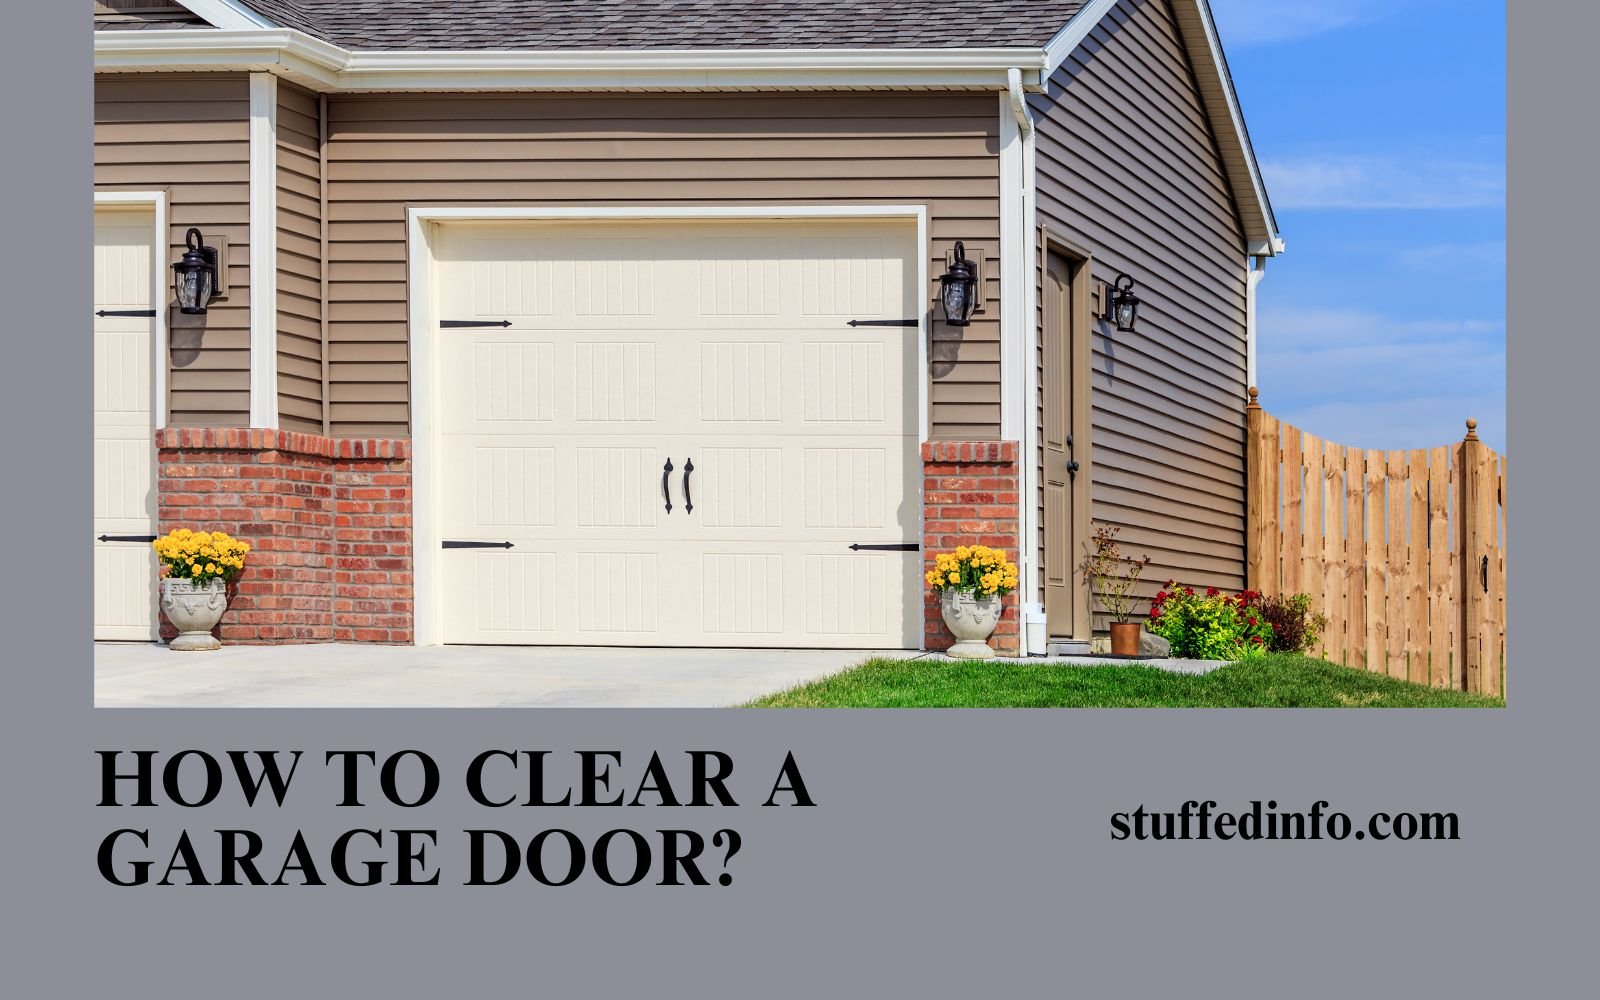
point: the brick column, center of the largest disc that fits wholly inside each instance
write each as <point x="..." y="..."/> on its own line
<point x="328" y="522"/>
<point x="970" y="497"/>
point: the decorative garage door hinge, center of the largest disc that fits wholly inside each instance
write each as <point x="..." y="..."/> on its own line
<point x="886" y="322"/>
<point x="470" y="324"/>
<point x="906" y="547"/>
<point x="147" y="313"/>
<point x="478" y="545"/>
<point x="127" y="538"/>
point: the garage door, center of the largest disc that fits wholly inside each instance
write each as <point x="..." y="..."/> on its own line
<point x="124" y="448"/>
<point x="670" y="434"/>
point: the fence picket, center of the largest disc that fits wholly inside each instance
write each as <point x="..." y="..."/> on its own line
<point x="1292" y="530"/>
<point x="1376" y="561"/>
<point x="1500" y="588"/>
<point x="1312" y="580"/>
<point x="1333" y="568"/>
<point x="1413" y="514"/>
<point x="1400" y="637"/>
<point x="1355" y="559"/>
<point x="1443" y="660"/>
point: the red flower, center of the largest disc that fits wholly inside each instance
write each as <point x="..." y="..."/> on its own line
<point x="1161" y="596"/>
<point x="1254" y="623"/>
<point x="1212" y="592"/>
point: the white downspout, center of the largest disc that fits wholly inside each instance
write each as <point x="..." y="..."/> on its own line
<point x="1034" y="637"/>
<point x="1252" y="279"/>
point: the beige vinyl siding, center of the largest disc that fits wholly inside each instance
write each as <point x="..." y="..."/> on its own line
<point x="299" y="261"/>
<point x="1130" y="171"/>
<point x="190" y="136"/>
<point x="143" y="10"/>
<point x="386" y="152"/>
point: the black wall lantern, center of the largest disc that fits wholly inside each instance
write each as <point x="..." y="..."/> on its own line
<point x="1124" y="305"/>
<point x="194" y="278"/>
<point x="958" y="288"/>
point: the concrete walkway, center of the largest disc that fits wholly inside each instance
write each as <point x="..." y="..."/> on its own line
<point x="141" y="675"/>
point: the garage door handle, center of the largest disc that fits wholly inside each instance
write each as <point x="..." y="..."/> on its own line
<point x="477" y="545"/>
<point x="127" y="538"/>
<point x="666" y="485"/>
<point x="688" y="498"/>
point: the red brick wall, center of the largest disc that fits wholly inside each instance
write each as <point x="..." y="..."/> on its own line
<point x="970" y="497"/>
<point x="328" y="521"/>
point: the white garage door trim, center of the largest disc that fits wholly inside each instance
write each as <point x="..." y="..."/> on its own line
<point x="156" y="200"/>
<point x="119" y="617"/>
<point x="420" y="263"/>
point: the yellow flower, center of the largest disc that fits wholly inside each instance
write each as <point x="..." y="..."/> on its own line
<point x="955" y="577"/>
<point x="194" y="570"/>
<point x="211" y="567"/>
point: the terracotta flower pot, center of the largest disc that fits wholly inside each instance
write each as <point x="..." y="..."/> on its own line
<point x="1125" y="638"/>
<point x="971" y="619"/>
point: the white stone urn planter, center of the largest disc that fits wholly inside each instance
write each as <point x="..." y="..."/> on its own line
<point x="972" y="620"/>
<point x="194" y="609"/>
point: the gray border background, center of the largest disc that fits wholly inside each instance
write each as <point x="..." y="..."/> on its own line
<point x="952" y="854"/>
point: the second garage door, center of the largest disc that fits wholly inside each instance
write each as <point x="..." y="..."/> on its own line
<point x="671" y="435"/>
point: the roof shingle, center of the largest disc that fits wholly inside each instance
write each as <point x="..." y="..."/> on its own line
<point x="672" y="24"/>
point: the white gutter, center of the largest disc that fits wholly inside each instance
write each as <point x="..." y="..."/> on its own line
<point x="328" y="67"/>
<point x="1252" y="279"/>
<point x="1019" y="382"/>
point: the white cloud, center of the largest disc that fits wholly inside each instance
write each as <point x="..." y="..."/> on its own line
<point x="1385" y="182"/>
<point x="1403" y="424"/>
<point x="1455" y="257"/>
<point x="1263" y="22"/>
<point x="1363" y="379"/>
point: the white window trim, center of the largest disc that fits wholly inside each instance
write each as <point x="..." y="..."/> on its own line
<point x="423" y="323"/>
<point x="157" y="202"/>
<point x="264" y="250"/>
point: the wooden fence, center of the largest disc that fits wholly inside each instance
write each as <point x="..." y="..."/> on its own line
<point x="1404" y="551"/>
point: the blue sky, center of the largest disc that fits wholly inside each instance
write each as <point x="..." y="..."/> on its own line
<point x="1380" y="127"/>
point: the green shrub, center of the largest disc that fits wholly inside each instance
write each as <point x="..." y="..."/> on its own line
<point x="1213" y="627"/>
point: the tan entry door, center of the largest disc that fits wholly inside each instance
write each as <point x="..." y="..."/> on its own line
<point x="679" y="434"/>
<point x="124" y="448"/>
<point x="1065" y="598"/>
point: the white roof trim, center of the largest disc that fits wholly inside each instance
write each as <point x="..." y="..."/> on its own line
<point x="1226" y="116"/>
<point x="329" y="67"/>
<point x="1070" y="37"/>
<point x="226" y="14"/>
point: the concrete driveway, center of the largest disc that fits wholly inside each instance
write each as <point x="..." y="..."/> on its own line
<point x="140" y="675"/>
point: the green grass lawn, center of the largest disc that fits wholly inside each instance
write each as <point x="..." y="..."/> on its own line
<point x="1278" y="681"/>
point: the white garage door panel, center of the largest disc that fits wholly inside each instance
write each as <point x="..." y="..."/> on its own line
<point x="124" y="452"/>
<point x="721" y="345"/>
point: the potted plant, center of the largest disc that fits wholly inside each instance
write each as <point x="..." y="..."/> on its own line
<point x="971" y="583"/>
<point x="1112" y="577"/>
<point x="196" y="567"/>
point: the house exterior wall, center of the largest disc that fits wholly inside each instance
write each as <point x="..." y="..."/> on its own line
<point x="299" y="261"/>
<point x="189" y="135"/>
<point x="151" y="13"/>
<point x="386" y="152"/>
<point x="1129" y="171"/>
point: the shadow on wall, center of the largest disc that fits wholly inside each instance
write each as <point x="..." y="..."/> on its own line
<point x="185" y="336"/>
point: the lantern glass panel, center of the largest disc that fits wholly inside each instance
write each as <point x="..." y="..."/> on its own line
<point x="1127" y="312"/>
<point x="192" y="286"/>
<point x="958" y="300"/>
